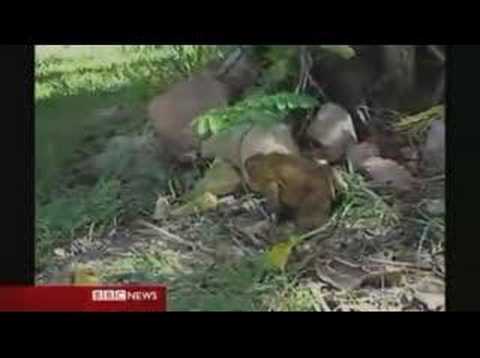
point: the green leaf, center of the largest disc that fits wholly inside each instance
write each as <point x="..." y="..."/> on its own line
<point x="343" y="51"/>
<point x="277" y="257"/>
<point x="203" y="128"/>
<point x="215" y="125"/>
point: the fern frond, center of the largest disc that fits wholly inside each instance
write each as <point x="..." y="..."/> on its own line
<point x="263" y="108"/>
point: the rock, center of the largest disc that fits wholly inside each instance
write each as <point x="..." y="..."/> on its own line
<point x="237" y="145"/>
<point x="333" y="129"/>
<point x="267" y="139"/>
<point x="239" y="75"/>
<point x="161" y="208"/>
<point x="433" y="153"/>
<point x="173" y="112"/>
<point x="435" y="207"/>
<point x="388" y="173"/>
<point x="358" y="154"/>
<point x="60" y="253"/>
<point x="431" y="292"/>
<point x="227" y="200"/>
<point x="409" y="153"/>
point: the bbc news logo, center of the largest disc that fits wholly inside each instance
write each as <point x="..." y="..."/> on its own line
<point x="123" y="295"/>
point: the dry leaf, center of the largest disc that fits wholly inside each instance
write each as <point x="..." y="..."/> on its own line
<point x="333" y="129"/>
<point x="389" y="173"/>
<point x="84" y="276"/>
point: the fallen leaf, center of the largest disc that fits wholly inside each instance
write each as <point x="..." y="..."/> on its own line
<point x="84" y="276"/>
<point x="277" y="257"/>
<point x="203" y="202"/>
<point x="333" y="129"/>
<point x="388" y="173"/>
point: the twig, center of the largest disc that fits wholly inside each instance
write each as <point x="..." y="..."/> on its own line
<point x="434" y="178"/>
<point x="317" y="87"/>
<point x="439" y="56"/>
<point x="422" y="240"/>
<point x="319" y="230"/>
<point x="401" y="264"/>
<point x="90" y="231"/>
<point x="174" y="238"/>
<point x="320" y="299"/>
<point x="241" y="246"/>
<point x="303" y="70"/>
<point x="172" y="190"/>
<point x="249" y="236"/>
<point x="346" y="263"/>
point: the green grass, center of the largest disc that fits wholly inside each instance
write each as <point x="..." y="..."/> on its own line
<point x="245" y="286"/>
<point x="69" y="90"/>
<point x="58" y="221"/>
<point x="72" y="85"/>
<point x="359" y="207"/>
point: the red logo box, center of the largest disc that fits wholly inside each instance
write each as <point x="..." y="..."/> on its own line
<point x="83" y="298"/>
